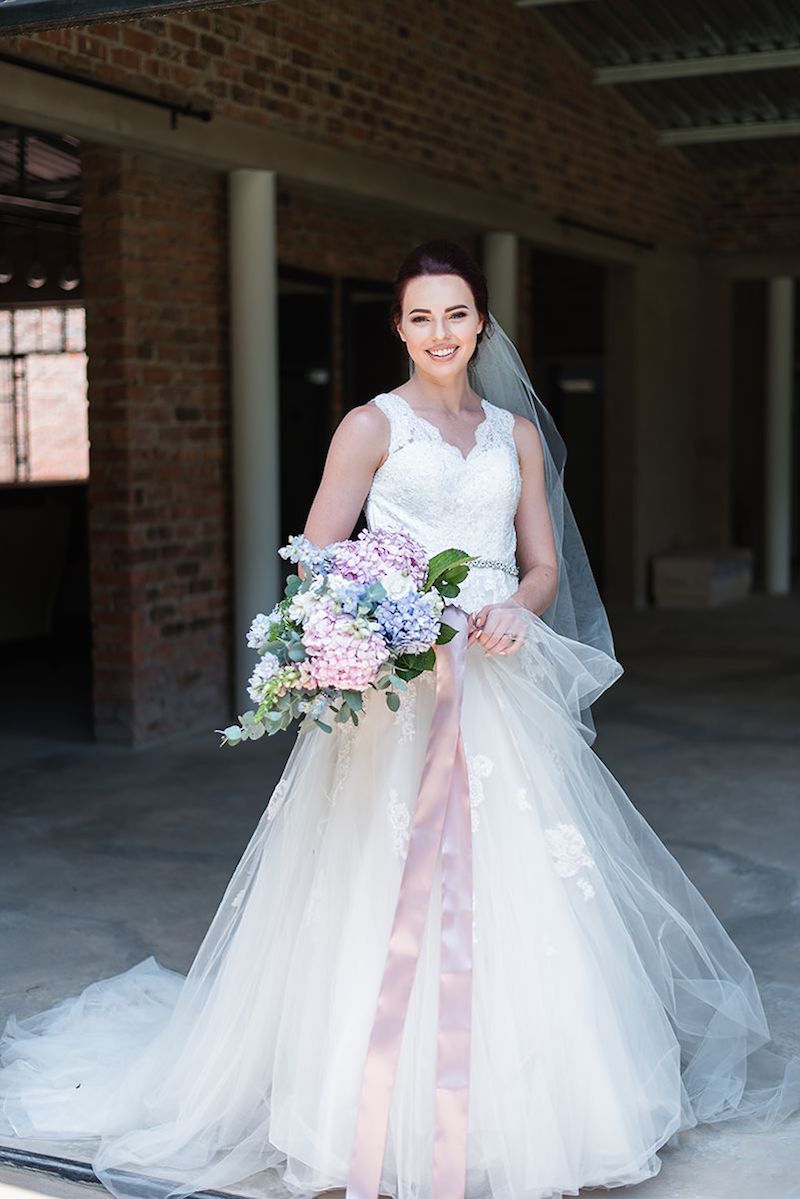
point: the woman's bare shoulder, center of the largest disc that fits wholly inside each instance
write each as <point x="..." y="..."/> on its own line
<point x="364" y="429"/>
<point x="526" y="435"/>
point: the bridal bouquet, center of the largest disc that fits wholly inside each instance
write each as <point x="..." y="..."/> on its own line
<point x="366" y="614"/>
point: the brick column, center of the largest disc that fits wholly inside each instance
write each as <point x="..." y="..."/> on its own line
<point x="154" y="264"/>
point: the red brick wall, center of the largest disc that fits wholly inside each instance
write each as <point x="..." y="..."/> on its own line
<point x="479" y="94"/>
<point x="159" y="489"/>
<point x="755" y="210"/>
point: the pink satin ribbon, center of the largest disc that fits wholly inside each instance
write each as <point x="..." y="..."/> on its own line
<point x="442" y="822"/>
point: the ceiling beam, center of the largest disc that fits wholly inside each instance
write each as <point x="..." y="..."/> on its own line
<point x="742" y="131"/>
<point x="686" y="68"/>
<point x="351" y="177"/>
<point x="544" y="3"/>
<point x="20" y="16"/>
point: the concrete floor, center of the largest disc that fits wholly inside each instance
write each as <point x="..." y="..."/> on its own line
<point x="110" y="854"/>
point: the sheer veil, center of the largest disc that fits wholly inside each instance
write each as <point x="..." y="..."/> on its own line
<point x="498" y="374"/>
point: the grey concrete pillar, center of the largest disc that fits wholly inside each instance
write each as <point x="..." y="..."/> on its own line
<point x="778" y="435"/>
<point x="501" y="267"/>
<point x="255" y="409"/>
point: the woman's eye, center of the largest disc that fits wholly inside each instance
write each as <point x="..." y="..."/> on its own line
<point x="416" y="319"/>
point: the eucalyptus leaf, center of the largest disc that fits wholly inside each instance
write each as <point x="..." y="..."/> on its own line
<point x="392" y="700"/>
<point x="326" y="728"/>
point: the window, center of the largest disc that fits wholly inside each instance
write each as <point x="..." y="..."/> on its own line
<point x="44" y="429"/>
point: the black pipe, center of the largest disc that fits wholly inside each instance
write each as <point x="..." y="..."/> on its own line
<point x="184" y="110"/>
<point x="571" y="223"/>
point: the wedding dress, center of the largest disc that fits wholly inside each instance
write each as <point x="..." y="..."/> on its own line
<point x="610" y="1007"/>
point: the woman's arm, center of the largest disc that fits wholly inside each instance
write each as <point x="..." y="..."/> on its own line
<point x="536" y="554"/>
<point x="358" y="447"/>
<point x="536" y="551"/>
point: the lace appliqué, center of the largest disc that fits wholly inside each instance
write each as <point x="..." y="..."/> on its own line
<point x="316" y="896"/>
<point x="523" y="803"/>
<point x="344" y="757"/>
<point x="277" y="799"/>
<point x="399" y="824"/>
<point x="570" y="855"/>
<point x="479" y="767"/>
<point x="406" y="714"/>
<point x="553" y="754"/>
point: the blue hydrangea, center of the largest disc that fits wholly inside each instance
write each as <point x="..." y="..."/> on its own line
<point x="300" y="549"/>
<point x="411" y="623"/>
<point x="348" y="594"/>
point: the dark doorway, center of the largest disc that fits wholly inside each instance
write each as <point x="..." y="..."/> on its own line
<point x="566" y="303"/>
<point x="305" y="330"/>
<point x="374" y="357"/>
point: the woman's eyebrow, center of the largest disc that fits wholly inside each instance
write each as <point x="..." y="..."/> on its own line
<point x="450" y="309"/>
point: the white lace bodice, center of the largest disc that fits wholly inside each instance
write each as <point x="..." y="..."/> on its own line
<point x="427" y="487"/>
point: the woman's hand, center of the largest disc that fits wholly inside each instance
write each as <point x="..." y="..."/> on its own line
<point x="498" y="628"/>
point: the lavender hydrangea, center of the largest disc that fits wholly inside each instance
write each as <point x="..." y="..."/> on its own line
<point x="374" y="552"/>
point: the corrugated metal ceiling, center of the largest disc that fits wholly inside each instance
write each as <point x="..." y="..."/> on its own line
<point x="718" y="78"/>
<point x="39" y="171"/>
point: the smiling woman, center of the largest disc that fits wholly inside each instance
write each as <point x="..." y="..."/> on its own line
<point x="449" y="917"/>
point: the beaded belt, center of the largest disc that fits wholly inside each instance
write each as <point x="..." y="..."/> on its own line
<point x="496" y="564"/>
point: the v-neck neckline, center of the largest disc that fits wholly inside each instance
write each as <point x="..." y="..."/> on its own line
<point x="450" y="445"/>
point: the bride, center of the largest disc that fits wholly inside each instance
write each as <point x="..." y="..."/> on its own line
<point x="607" y="1007"/>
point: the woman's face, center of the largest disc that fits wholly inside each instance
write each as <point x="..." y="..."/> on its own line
<point x="440" y="324"/>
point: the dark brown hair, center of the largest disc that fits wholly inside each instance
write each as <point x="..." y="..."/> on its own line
<point x="442" y="257"/>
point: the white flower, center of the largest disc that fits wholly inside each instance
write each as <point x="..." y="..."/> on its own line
<point x="338" y="585"/>
<point x="396" y="583"/>
<point x="258" y="635"/>
<point x="265" y="668"/>
<point x="302" y="605"/>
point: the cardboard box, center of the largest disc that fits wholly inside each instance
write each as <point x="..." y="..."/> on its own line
<point x="702" y="578"/>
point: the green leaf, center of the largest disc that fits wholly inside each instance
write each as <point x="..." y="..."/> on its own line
<point x="392" y="700"/>
<point x="292" y="586"/>
<point x="420" y="662"/>
<point x="457" y="576"/>
<point x="326" y="728"/>
<point x="448" y="590"/>
<point x="297" y="652"/>
<point x="353" y="700"/>
<point x="446" y="633"/>
<point x="355" y="717"/>
<point x="441" y="563"/>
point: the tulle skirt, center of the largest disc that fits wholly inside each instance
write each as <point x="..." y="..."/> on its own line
<point x="610" y="1007"/>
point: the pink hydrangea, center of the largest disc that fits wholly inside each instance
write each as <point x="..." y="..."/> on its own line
<point x="339" y="657"/>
